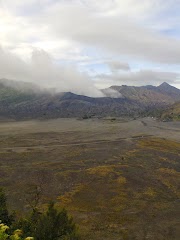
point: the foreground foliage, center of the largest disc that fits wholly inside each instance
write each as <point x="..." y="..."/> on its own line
<point x="5" y="217"/>
<point x="15" y="236"/>
<point x="52" y="224"/>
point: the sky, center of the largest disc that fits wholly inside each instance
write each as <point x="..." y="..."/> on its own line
<point x="86" y="45"/>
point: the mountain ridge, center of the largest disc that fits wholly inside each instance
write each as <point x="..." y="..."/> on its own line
<point x="17" y="103"/>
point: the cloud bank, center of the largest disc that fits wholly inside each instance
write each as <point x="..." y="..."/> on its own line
<point x="116" y="66"/>
<point x="139" y="78"/>
<point x="114" y="33"/>
<point x="65" y="36"/>
<point x="44" y="72"/>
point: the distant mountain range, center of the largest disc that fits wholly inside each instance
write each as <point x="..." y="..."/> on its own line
<point x="163" y="93"/>
<point x="19" y="100"/>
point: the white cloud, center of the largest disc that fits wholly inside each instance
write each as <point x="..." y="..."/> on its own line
<point x="113" y="33"/>
<point x="139" y="78"/>
<point x="65" y="29"/>
<point x="132" y="8"/>
<point x="43" y="71"/>
<point x="82" y="21"/>
<point x="116" y="66"/>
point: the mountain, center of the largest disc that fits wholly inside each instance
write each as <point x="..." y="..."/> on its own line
<point x="169" y="90"/>
<point x="27" y="101"/>
<point x="164" y="93"/>
<point x="25" y="87"/>
<point x="172" y="113"/>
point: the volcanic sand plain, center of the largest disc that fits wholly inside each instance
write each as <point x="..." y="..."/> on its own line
<point x="116" y="177"/>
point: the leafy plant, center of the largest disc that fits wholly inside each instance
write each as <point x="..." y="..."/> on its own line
<point x="15" y="236"/>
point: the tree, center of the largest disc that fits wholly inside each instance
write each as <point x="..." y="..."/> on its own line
<point x="5" y="217"/>
<point x="54" y="225"/>
<point x="33" y="196"/>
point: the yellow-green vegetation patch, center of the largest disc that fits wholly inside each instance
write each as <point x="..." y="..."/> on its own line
<point x="160" y="144"/>
<point x="170" y="178"/>
<point x="150" y="192"/>
<point x="121" y="180"/>
<point x="102" y="171"/>
<point x="166" y="160"/>
<point x="67" y="198"/>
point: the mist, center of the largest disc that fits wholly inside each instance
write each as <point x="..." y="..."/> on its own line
<point x="42" y="70"/>
<point x="112" y="93"/>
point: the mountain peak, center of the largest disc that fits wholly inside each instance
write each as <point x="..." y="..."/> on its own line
<point x="167" y="87"/>
<point x="165" y="84"/>
<point x="169" y="90"/>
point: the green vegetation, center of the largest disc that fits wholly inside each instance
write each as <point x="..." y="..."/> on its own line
<point x="53" y="224"/>
<point x="4" y="214"/>
<point x="17" y="235"/>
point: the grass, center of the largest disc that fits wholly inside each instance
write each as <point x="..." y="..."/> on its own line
<point x="111" y="189"/>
